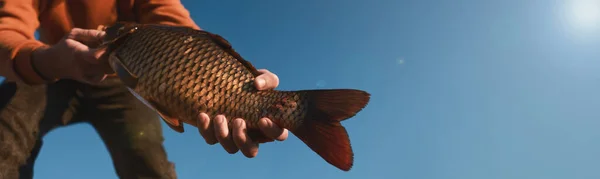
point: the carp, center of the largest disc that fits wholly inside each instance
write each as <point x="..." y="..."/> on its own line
<point x="181" y="72"/>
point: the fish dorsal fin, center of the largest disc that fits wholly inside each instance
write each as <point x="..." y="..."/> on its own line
<point x="227" y="47"/>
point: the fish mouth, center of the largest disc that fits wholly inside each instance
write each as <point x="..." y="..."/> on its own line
<point x="116" y="31"/>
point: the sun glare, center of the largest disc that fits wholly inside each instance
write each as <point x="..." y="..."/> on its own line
<point x="584" y="14"/>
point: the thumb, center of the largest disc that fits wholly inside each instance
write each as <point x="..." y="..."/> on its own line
<point x="89" y="37"/>
<point x="266" y="80"/>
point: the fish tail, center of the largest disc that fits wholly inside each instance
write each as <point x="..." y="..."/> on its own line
<point x="322" y="131"/>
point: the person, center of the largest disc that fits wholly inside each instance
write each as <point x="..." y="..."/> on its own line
<point x="61" y="79"/>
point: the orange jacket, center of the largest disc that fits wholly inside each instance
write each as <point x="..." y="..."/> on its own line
<point x="19" y="19"/>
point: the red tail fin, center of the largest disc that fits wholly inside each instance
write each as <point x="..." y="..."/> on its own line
<point x="321" y="129"/>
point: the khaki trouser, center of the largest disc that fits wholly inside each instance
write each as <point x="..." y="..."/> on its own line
<point x="130" y="130"/>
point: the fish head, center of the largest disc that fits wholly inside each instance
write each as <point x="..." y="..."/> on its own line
<point x="118" y="31"/>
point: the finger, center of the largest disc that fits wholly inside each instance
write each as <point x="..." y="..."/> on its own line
<point x="89" y="37"/>
<point x="266" y="80"/>
<point x="105" y="65"/>
<point x="271" y="130"/>
<point x="241" y="139"/>
<point x="91" y="74"/>
<point x="96" y="56"/>
<point x="84" y="53"/>
<point x="223" y="135"/>
<point x="206" y="130"/>
<point x="93" y="78"/>
<point x="77" y="47"/>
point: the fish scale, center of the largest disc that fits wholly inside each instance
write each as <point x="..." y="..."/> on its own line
<point x="181" y="72"/>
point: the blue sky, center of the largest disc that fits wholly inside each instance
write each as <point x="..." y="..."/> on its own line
<point x="465" y="89"/>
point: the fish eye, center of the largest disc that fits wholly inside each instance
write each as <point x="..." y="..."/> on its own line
<point x="120" y="30"/>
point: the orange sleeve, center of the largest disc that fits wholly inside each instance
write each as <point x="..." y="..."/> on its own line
<point x="18" y="22"/>
<point x="169" y="12"/>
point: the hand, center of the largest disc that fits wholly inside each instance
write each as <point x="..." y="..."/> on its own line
<point x="216" y="130"/>
<point x="73" y="57"/>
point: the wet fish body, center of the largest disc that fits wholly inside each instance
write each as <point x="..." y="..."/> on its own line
<point x="181" y="72"/>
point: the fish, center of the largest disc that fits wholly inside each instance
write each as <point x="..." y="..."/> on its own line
<point x="180" y="72"/>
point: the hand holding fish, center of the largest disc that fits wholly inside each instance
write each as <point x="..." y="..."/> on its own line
<point x="216" y="130"/>
<point x="73" y="57"/>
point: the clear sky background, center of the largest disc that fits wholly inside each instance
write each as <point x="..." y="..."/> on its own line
<point x="467" y="89"/>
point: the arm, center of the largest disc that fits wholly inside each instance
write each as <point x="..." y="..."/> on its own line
<point x="18" y="22"/>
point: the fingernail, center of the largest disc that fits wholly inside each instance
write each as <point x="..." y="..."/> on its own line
<point x="260" y="82"/>
<point x="239" y="122"/>
<point x="200" y="121"/>
<point x="262" y="120"/>
<point x="220" y="119"/>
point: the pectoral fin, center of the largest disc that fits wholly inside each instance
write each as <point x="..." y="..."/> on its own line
<point x="131" y="81"/>
<point x="126" y="76"/>
<point x="172" y="122"/>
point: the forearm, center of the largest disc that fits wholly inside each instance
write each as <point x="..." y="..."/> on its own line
<point x="16" y="57"/>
